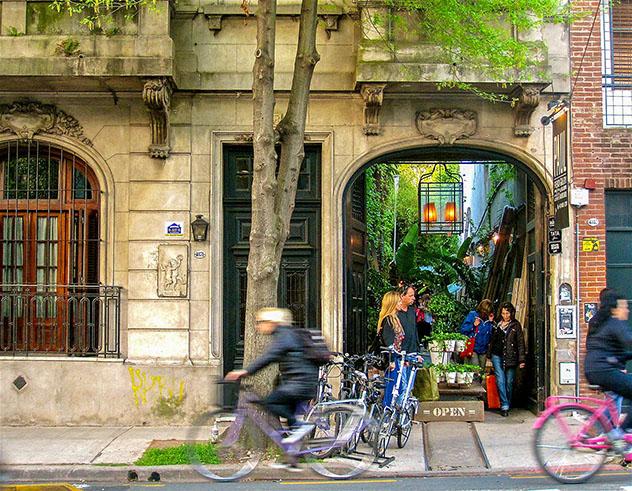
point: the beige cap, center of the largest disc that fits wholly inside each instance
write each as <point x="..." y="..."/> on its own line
<point x="274" y="314"/>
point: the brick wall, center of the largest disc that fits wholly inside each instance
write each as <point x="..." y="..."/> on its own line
<point x="604" y="155"/>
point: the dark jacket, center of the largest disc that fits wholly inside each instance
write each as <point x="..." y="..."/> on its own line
<point x="508" y="344"/>
<point x="388" y="333"/>
<point x="297" y="373"/>
<point x="408" y="321"/>
<point x="608" y="347"/>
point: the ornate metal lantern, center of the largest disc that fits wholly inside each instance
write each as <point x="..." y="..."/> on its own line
<point x="440" y="202"/>
<point x="199" y="227"/>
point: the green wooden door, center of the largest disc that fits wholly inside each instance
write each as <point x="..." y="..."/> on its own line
<point x="618" y="239"/>
<point x="299" y="278"/>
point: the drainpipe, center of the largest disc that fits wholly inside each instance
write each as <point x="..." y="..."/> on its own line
<point x="578" y="297"/>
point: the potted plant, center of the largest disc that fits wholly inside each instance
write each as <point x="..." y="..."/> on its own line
<point x="440" y="371"/>
<point x="460" y="342"/>
<point x="450" y="373"/>
<point x="460" y="374"/>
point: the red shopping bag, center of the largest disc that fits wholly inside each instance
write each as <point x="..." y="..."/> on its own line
<point x="493" y="400"/>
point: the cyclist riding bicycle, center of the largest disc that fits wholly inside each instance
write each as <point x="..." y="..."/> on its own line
<point x="299" y="375"/>
<point x="608" y="347"/>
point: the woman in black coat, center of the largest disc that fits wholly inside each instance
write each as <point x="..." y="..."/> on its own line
<point x="507" y="352"/>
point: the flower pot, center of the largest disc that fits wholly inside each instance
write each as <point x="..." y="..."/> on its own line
<point x="441" y="377"/>
<point x="460" y="346"/>
<point x="469" y="377"/>
<point x="435" y="346"/>
<point x="460" y="378"/>
<point x="436" y="357"/>
<point x="450" y="344"/>
<point x="450" y="377"/>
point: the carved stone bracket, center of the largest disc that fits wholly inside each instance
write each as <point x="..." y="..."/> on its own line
<point x="446" y="125"/>
<point x="214" y="23"/>
<point x="28" y="118"/>
<point x="331" y="23"/>
<point x="373" y="95"/>
<point x="527" y="99"/>
<point x="157" y="98"/>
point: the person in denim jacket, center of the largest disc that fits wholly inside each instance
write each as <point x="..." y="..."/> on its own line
<point x="479" y="324"/>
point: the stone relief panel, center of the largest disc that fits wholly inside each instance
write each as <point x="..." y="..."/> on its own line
<point x="27" y="118"/>
<point x="446" y="125"/>
<point x="173" y="272"/>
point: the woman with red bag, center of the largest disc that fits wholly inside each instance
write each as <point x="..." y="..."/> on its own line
<point x="478" y="326"/>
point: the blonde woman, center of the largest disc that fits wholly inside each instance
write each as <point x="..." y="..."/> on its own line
<point x="391" y="331"/>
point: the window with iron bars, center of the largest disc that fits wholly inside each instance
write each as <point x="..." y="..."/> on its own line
<point x="616" y="62"/>
<point x="51" y="300"/>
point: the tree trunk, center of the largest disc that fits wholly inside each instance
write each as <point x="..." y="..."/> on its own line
<point x="273" y="193"/>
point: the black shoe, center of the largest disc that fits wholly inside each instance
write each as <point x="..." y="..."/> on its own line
<point x="504" y="412"/>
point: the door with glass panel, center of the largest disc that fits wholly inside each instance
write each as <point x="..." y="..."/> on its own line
<point x="49" y="246"/>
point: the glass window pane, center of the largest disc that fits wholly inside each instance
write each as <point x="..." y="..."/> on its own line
<point x="41" y="254"/>
<point x="41" y="228"/>
<point x="31" y="178"/>
<point x="80" y="185"/>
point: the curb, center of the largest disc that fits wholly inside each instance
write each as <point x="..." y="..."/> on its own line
<point x="184" y="473"/>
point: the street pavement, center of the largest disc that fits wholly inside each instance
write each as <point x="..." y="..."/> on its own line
<point x="106" y="454"/>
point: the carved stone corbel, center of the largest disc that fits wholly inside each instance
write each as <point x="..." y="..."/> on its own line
<point x="157" y="97"/>
<point x="446" y="126"/>
<point x="214" y="23"/>
<point x="373" y="96"/>
<point x="527" y="99"/>
<point x="331" y="23"/>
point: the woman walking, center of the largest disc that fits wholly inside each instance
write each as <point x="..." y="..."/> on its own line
<point x="392" y="332"/>
<point x="479" y="325"/>
<point x="507" y="352"/>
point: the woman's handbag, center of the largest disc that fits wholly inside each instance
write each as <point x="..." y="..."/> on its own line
<point x="493" y="399"/>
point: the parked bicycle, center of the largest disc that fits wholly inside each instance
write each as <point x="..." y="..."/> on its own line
<point x="240" y="435"/>
<point x="397" y="418"/>
<point x="571" y="435"/>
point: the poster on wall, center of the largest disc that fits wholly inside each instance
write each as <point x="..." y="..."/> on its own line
<point x="590" y="309"/>
<point x="566" y="322"/>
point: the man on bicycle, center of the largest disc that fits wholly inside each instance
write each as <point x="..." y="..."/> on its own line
<point x="299" y="375"/>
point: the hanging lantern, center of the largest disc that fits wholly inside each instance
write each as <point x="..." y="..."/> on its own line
<point x="430" y="213"/>
<point x="440" y="201"/>
<point x="450" y="211"/>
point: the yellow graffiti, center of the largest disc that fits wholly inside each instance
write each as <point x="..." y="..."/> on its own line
<point x="143" y="383"/>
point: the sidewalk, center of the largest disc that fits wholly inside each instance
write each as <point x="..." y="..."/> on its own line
<point x="105" y="454"/>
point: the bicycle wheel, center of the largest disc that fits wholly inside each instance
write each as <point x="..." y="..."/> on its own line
<point x="569" y="445"/>
<point x="369" y="433"/>
<point x="225" y="446"/>
<point x="326" y="421"/>
<point x="384" y="432"/>
<point x="341" y="463"/>
<point x="405" y="427"/>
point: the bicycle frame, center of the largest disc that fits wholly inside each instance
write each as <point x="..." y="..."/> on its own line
<point x="246" y="408"/>
<point x="606" y="411"/>
<point x="411" y="381"/>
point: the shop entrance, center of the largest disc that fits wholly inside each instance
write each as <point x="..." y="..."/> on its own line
<point x="504" y="217"/>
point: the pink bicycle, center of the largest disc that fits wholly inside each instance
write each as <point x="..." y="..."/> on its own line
<point x="571" y="442"/>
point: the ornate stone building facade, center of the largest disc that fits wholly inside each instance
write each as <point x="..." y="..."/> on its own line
<point x="111" y="311"/>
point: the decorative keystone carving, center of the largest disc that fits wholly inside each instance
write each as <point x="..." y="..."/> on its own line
<point x="527" y="99"/>
<point x="373" y="96"/>
<point x="331" y="23"/>
<point x="157" y="97"/>
<point x="173" y="275"/>
<point x="446" y="125"/>
<point x="214" y="23"/>
<point x="28" y="118"/>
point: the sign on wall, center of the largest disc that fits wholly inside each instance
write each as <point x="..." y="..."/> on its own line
<point x="566" y="322"/>
<point x="560" y="171"/>
<point x="590" y="309"/>
<point x="590" y="244"/>
<point x="567" y="373"/>
<point x="174" y="229"/>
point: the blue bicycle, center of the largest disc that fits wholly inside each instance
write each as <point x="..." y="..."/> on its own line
<point x="239" y="439"/>
<point x="397" y="418"/>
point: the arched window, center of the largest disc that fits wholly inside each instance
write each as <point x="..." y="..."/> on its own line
<point x="49" y="250"/>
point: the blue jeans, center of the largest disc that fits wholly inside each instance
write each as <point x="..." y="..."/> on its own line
<point x="390" y="377"/>
<point x="504" y="381"/>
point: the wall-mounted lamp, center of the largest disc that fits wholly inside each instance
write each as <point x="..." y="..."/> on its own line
<point x="199" y="228"/>
<point x="555" y="107"/>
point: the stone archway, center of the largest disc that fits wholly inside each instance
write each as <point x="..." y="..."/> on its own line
<point x="336" y="266"/>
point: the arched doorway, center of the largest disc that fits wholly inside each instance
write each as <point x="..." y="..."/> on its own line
<point x="50" y="238"/>
<point x="531" y="218"/>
